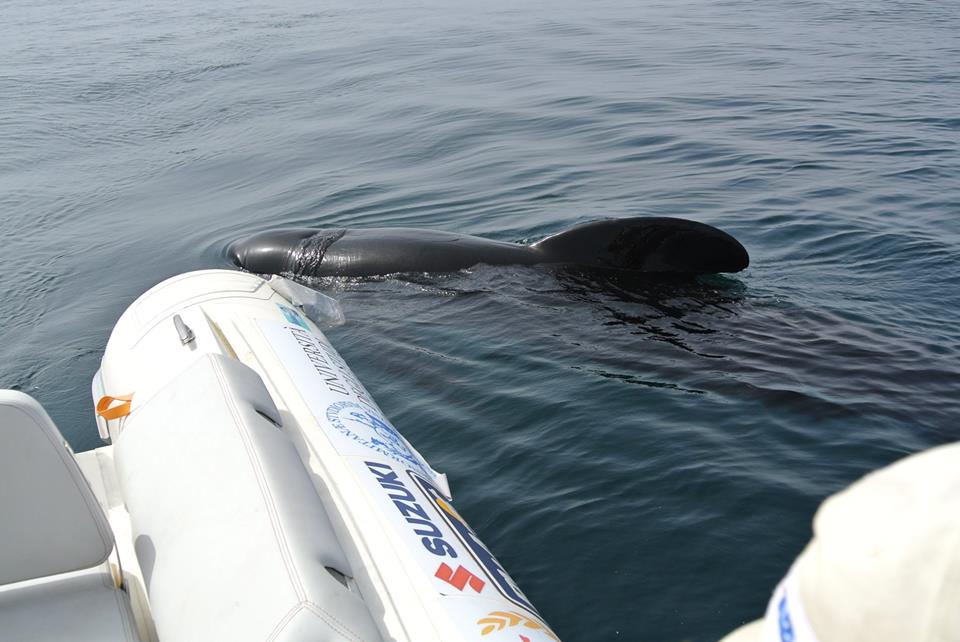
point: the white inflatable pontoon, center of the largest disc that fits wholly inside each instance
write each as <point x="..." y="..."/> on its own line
<point x="252" y="491"/>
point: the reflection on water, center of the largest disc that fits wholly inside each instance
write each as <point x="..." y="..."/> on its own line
<point x="665" y="307"/>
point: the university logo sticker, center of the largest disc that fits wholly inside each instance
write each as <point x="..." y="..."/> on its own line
<point x="292" y="316"/>
<point x="368" y="429"/>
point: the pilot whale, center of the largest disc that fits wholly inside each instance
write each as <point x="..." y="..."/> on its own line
<point x="643" y="244"/>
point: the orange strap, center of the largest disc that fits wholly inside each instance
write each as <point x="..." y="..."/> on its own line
<point x="107" y="410"/>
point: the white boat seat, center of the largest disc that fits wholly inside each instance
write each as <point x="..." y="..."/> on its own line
<point x="83" y="606"/>
<point x="51" y="529"/>
<point x="230" y="533"/>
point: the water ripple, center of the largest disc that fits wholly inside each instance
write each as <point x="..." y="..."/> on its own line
<point x="615" y="440"/>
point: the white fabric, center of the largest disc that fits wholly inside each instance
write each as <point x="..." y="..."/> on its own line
<point x="230" y="532"/>
<point x="884" y="563"/>
<point x="786" y="618"/>
<point x="50" y="522"/>
<point x="76" y="607"/>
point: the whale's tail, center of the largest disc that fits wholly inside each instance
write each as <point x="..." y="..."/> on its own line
<point x="646" y="244"/>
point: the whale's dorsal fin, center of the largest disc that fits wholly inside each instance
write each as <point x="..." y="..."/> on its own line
<point x="646" y="244"/>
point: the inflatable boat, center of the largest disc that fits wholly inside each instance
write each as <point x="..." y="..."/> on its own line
<point x="250" y="490"/>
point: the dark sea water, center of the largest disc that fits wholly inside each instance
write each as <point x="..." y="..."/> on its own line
<point x="644" y="456"/>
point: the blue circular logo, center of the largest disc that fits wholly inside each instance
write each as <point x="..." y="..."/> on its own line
<point x="372" y="431"/>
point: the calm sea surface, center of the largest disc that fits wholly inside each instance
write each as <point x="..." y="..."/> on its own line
<point x="644" y="456"/>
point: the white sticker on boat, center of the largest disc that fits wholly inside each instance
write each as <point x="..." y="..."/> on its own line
<point x="450" y="554"/>
<point x="468" y="540"/>
<point x="475" y="592"/>
<point x="441" y="557"/>
<point x="397" y="499"/>
<point x="338" y="401"/>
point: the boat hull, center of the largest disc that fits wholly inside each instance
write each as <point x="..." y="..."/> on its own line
<point x="422" y="570"/>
